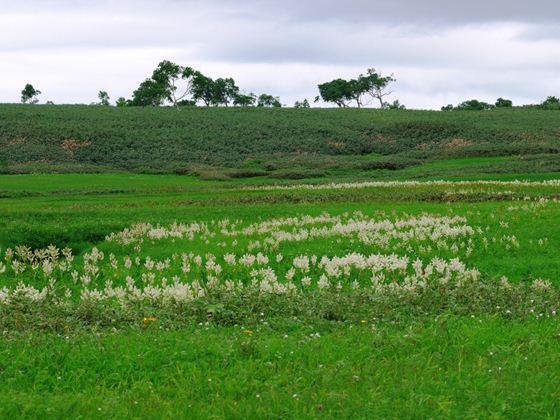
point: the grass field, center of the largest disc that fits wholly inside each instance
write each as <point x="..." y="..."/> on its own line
<point x="250" y="298"/>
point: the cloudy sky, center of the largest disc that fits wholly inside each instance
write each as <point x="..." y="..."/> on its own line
<point x="441" y="51"/>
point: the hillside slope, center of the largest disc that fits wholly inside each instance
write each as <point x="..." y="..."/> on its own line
<point x="289" y="143"/>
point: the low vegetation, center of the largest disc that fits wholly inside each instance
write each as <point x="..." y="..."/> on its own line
<point x="219" y="143"/>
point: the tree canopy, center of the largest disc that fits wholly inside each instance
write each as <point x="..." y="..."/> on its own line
<point x="268" y="101"/>
<point x="503" y="103"/>
<point x="174" y="85"/>
<point x="178" y="85"/>
<point x="103" y="98"/>
<point x="29" y="94"/>
<point x="170" y="83"/>
<point x="338" y="91"/>
<point x="245" y="100"/>
<point x="552" y="102"/>
<point x="302" y="104"/>
<point x="342" y="92"/>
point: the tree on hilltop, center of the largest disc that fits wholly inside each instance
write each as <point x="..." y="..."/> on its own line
<point x="338" y="91"/>
<point x="169" y="76"/>
<point x="471" y="105"/>
<point x="103" y="98"/>
<point x="170" y="82"/>
<point x="203" y="88"/>
<point x="303" y="104"/>
<point x="29" y="94"/>
<point x="224" y="91"/>
<point x="552" y="102"/>
<point x="268" y="101"/>
<point x="341" y="92"/>
<point x="395" y="105"/>
<point x="245" y="100"/>
<point x="376" y="85"/>
<point x="180" y="85"/>
<point x="149" y="93"/>
<point x="121" y="102"/>
<point x="503" y="103"/>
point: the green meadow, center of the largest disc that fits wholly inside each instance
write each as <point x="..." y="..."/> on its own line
<point x="481" y="349"/>
<point x="249" y="263"/>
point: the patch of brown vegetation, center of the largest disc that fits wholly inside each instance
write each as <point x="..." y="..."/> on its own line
<point x="457" y="144"/>
<point x="337" y="145"/>
<point x="71" y="145"/>
<point x="381" y="139"/>
<point x="18" y="141"/>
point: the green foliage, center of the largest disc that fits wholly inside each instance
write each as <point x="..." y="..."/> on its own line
<point x="245" y="100"/>
<point x="474" y="105"/>
<point x="341" y="92"/>
<point x="163" y="85"/>
<point x="395" y="105"/>
<point x="376" y="85"/>
<point x="104" y="98"/>
<point x="302" y="104"/>
<point x="91" y="139"/>
<point x="268" y="101"/>
<point x="337" y="91"/>
<point x="29" y="94"/>
<point x="225" y="91"/>
<point x="203" y="89"/>
<point x="149" y="93"/>
<point x="184" y="86"/>
<point x="551" y="103"/>
<point x="121" y="102"/>
<point x="503" y="103"/>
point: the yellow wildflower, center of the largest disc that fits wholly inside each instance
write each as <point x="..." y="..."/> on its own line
<point x="149" y="319"/>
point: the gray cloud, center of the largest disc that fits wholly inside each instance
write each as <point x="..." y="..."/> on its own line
<point x="541" y="33"/>
<point x="440" y="50"/>
<point x="446" y="12"/>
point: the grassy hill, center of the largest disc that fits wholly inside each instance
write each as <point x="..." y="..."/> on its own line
<point x="217" y="143"/>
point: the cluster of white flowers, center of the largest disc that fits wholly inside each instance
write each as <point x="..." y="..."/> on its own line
<point x="395" y="253"/>
<point x="143" y="281"/>
<point x="384" y="233"/>
<point x="137" y="233"/>
<point x="392" y="184"/>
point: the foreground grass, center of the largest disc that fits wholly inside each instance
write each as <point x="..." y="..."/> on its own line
<point x="447" y="367"/>
<point x="448" y="352"/>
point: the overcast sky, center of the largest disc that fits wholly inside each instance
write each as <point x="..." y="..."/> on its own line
<point x="441" y="51"/>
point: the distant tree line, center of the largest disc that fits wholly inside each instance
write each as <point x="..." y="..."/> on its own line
<point x="551" y="103"/>
<point x="476" y="105"/>
<point x="172" y="84"/>
<point x="175" y="85"/>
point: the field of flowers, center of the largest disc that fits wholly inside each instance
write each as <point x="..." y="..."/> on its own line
<point x="291" y="301"/>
